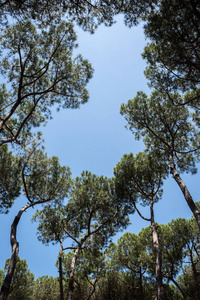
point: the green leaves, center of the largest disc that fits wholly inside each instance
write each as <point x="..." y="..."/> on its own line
<point x="140" y="178"/>
<point x="91" y="216"/>
<point x="44" y="179"/>
<point x="164" y="127"/>
<point x="172" y="55"/>
<point x="23" y="281"/>
<point x="93" y="207"/>
<point x="41" y="72"/>
<point x="10" y="179"/>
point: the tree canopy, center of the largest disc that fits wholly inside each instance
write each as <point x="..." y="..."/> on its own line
<point x="41" y="73"/>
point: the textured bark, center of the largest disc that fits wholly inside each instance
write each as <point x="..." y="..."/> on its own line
<point x="5" y="289"/>
<point x="156" y="246"/>
<point x="184" y="189"/>
<point x="71" y="276"/>
<point x="61" y="275"/>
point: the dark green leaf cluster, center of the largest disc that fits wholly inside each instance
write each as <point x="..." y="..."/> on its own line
<point x="93" y="204"/>
<point x="23" y="281"/>
<point x="165" y="127"/>
<point x="87" y="14"/>
<point x="173" y="55"/>
<point x="10" y="178"/>
<point x="44" y="179"/>
<point x="41" y="72"/>
<point x="92" y="214"/>
<point x="140" y="178"/>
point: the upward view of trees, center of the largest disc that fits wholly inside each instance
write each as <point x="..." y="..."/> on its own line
<point x="40" y="72"/>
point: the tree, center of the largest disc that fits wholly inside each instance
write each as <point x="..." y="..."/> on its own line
<point x="168" y="131"/>
<point x="23" y="281"/>
<point x="139" y="179"/>
<point x="87" y="14"/>
<point x="10" y="185"/>
<point x="91" y="217"/>
<point x="41" y="72"/>
<point x="186" y="233"/>
<point x="90" y="268"/>
<point x="173" y="54"/>
<point x="43" y="180"/>
<point x="128" y="255"/>
<point x="46" y="288"/>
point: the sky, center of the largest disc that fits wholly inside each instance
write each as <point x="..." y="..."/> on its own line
<point x="94" y="138"/>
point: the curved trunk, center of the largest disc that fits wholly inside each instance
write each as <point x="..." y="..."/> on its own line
<point x="71" y="276"/>
<point x="5" y="289"/>
<point x="178" y="286"/>
<point x="184" y="189"/>
<point x="156" y="246"/>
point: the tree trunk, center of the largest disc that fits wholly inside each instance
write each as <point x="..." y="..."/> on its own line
<point x="184" y="189"/>
<point x="196" y="278"/>
<point x="71" y="276"/>
<point x="141" y="286"/>
<point x="178" y="286"/>
<point x="156" y="246"/>
<point x="61" y="275"/>
<point x="5" y="289"/>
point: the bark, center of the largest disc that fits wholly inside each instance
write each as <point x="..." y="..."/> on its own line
<point x="61" y="274"/>
<point x="71" y="276"/>
<point x="93" y="290"/>
<point x="156" y="246"/>
<point x="5" y="289"/>
<point x="196" y="278"/>
<point x="141" y="286"/>
<point x="184" y="189"/>
<point x="178" y="286"/>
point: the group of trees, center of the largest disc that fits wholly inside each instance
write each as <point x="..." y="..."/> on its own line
<point x="125" y="270"/>
<point x="40" y="72"/>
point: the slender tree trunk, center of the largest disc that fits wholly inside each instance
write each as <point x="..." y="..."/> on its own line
<point x="5" y="289"/>
<point x="61" y="274"/>
<point x="93" y="290"/>
<point x="141" y="286"/>
<point x="178" y="286"/>
<point x="196" y="278"/>
<point x="71" y="276"/>
<point x="15" y="251"/>
<point x="159" y="283"/>
<point x="184" y="189"/>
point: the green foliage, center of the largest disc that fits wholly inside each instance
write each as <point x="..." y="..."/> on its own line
<point x="10" y="179"/>
<point x="46" y="288"/>
<point x="173" y="59"/>
<point x="87" y="14"/>
<point x="22" y="283"/>
<point x="90" y="269"/>
<point x="140" y="178"/>
<point x="128" y="254"/>
<point x="164" y="127"/>
<point x="39" y="67"/>
<point x="44" y="179"/>
<point x="92" y="209"/>
<point x="93" y="200"/>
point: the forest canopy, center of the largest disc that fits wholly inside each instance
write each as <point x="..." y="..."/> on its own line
<point x="42" y="72"/>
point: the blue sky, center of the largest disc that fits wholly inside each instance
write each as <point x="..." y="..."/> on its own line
<point x="94" y="138"/>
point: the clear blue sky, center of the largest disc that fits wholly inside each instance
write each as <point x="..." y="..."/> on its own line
<point x="94" y="138"/>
